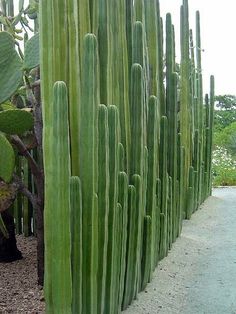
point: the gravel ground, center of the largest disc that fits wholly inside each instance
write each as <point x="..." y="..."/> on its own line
<point x="199" y="274"/>
<point x="19" y="292"/>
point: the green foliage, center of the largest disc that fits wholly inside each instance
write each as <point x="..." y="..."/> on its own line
<point x="227" y="138"/>
<point x="227" y="102"/>
<point x="224" y="167"/>
<point x="16" y="121"/>
<point x="31" y="59"/>
<point x="224" y="140"/>
<point x="10" y="67"/>
<point x="7" y="159"/>
<point x="224" y="118"/>
<point x="7" y="106"/>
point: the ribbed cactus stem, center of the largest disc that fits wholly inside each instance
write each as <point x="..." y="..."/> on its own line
<point x="130" y="259"/>
<point x="10" y="8"/>
<point x="76" y="243"/>
<point x="147" y="251"/>
<point x="57" y="207"/>
<point x="123" y="201"/>
<point x="164" y="185"/>
<point x="88" y="170"/>
<point x="137" y="124"/>
<point x="138" y="43"/>
<point x="151" y="22"/>
<point x="103" y="202"/>
<point x="152" y="146"/>
<point x="113" y="124"/>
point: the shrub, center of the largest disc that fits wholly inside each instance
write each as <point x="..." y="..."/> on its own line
<point x="223" y="167"/>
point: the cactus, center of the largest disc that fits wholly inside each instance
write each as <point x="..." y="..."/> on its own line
<point x="113" y="123"/>
<point x="7" y="159"/>
<point x="10" y="67"/>
<point x="57" y="208"/>
<point x="123" y="200"/>
<point x="164" y="186"/>
<point x="103" y="202"/>
<point x="152" y="146"/>
<point x="147" y="251"/>
<point x="16" y="121"/>
<point x="130" y="259"/>
<point x="88" y="170"/>
<point x="31" y="58"/>
<point x="131" y="190"/>
<point x="76" y="243"/>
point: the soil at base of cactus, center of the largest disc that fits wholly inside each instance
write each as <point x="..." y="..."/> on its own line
<point x="19" y="292"/>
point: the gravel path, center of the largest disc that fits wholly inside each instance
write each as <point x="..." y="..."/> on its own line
<point x="199" y="274"/>
<point x="19" y="293"/>
<point x="197" y="277"/>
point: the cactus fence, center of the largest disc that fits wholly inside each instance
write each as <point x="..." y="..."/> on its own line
<point x="127" y="147"/>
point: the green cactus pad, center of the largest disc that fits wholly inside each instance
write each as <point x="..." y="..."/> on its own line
<point x="7" y="195"/>
<point x="7" y="106"/>
<point x="7" y="159"/>
<point x="10" y="67"/>
<point x="16" y="121"/>
<point x="32" y="53"/>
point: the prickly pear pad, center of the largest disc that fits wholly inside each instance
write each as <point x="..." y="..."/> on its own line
<point x="16" y="121"/>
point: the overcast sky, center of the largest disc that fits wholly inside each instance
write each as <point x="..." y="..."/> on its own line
<point x="218" y="25"/>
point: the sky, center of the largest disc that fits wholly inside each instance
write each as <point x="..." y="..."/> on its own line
<point x="218" y="25"/>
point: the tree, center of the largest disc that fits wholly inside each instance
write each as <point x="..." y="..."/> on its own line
<point x="226" y="102"/>
<point x="226" y="112"/>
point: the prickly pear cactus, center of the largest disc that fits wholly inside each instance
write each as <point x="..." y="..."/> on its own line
<point x="7" y="159"/>
<point x="32" y="53"/>
<point x="7" y="195"/>
<point x="10" y="67"/>
<point x="16" y="121"/>
<point x="7" y="106"/>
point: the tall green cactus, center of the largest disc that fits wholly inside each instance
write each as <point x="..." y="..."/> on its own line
<point x="139" y="158"/>
<point x="57" y="207"/>
<point x="103" y="202"/>
<point x="89" y="170"/>
<point x="76" y="243"/>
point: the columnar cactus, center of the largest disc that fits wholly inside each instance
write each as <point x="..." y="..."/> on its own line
<point x="57" y="207"/>
<point x="137" y="160"/>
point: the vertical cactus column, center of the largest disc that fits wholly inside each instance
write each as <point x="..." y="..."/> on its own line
<point x="152" y="146"/>
<point x="123" y="201"/>
<point x="164" y="186"/>
<point x="76" y="243"/>
<point x="103" y="203"/>
<point x="129" y="191"/>
<point x="57" y="207"/>
<point x="111" y="284"/>
<point x="89" y="170"/>
<point x="185" y="90"/>
<point x="171" y="112"/>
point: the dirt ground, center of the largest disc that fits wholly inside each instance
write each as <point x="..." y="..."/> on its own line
<point x="199" y="274"/>
<point x="19" y="293"/>
<point x="197" y="277"/>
